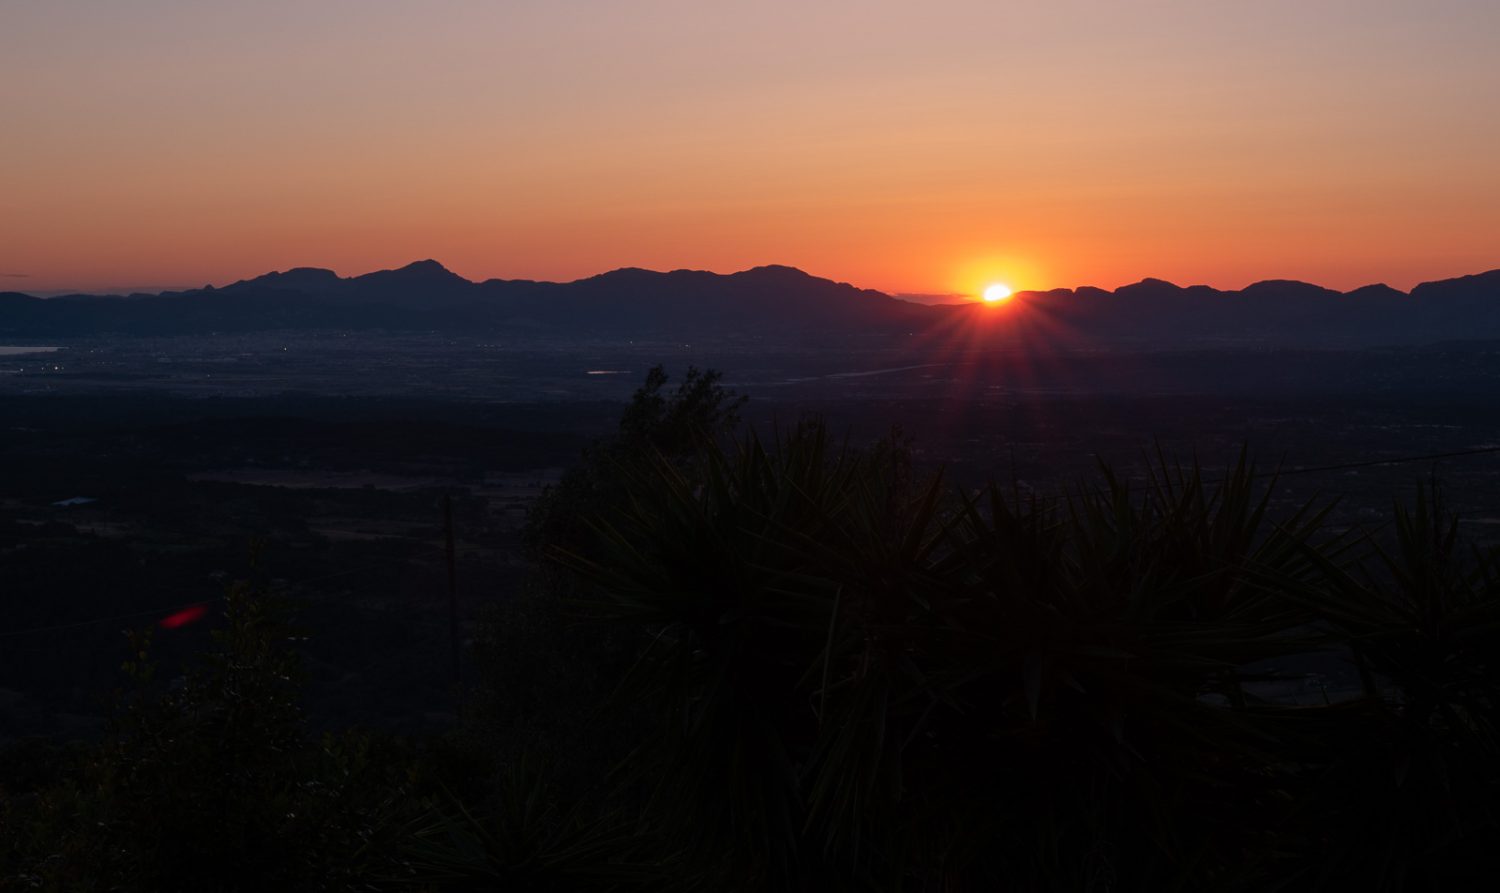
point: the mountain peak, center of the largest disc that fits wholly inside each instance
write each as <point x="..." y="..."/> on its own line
<point x="421" y="271"/>
<point x="416" y="272"/>
<point x="1149" y="286"/>
<point x="428" y="266"/>
<point x="780" y="270"/>
<point x="1153" y="282"/>
<point x="416" y="284"/>
<point x="777" y="273"/>
<point x="1478" y="285"/>
<point x="1376" y="290"/>
<point x="312" y="280"/>
<point x="1285" y="288"/>
<point x="624" y="272"/>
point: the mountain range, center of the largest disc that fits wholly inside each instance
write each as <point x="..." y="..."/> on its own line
<point x="771" y="302"/>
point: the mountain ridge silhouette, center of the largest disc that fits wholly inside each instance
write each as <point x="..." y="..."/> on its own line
<point x="770" y="300"/>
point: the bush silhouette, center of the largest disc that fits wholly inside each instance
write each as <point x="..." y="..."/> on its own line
<point x="212" y="782"/>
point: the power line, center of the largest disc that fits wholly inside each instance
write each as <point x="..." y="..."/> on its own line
<point x="1370" y="463"/>
<point x="1364" y="463"/>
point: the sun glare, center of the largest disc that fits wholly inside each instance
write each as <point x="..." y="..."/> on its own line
<point x="996" y="293"/>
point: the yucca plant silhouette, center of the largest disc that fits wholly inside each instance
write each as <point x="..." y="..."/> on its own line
<point x="1409" y="793"/>
<point x="876" y="683"/>
<point x="717" y="564"/>
<point x="1104" y="636"/>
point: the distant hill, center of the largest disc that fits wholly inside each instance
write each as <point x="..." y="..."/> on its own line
<point x="773" y="302"/>
<point x="425" y="296"/>
<point x="1272" y="312"/>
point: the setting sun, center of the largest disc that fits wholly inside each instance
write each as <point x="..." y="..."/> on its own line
<point x="996" y="293"/>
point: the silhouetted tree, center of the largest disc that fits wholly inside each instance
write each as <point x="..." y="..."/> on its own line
<point x="656" y="423"/>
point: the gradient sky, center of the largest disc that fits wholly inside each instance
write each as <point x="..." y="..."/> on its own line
<point x="910" y="147"/>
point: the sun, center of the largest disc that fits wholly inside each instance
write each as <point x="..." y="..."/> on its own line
<point x="996" y="293"/>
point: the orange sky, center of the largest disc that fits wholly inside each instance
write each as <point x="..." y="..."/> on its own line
<point x="909" y="149"/>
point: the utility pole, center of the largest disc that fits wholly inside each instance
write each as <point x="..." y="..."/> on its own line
<point x="452" y="585"/>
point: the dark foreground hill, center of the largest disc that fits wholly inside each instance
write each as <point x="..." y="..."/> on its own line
<point x="775" y="303"/>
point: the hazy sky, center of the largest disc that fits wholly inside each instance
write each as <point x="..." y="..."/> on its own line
<point x="904" y="146"/>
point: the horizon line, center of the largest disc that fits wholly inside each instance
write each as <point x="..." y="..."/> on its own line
<point x="959" y="297"/>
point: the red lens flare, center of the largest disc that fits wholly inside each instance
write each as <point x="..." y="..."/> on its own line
<point x="184" y="617"/>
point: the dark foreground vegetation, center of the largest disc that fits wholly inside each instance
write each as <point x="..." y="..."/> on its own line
<point x="768" y="660"/>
